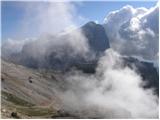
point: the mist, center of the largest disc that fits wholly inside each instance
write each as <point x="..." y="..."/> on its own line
<point x="114" y="91"/>
<point x="53" y="30"/>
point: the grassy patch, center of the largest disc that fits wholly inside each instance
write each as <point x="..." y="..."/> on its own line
<point x="16" y="100"/>
<point x="25" y="108"/>
<point x="36" y="111"/>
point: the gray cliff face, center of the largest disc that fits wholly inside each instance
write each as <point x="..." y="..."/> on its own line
<point x="96" y="36"/>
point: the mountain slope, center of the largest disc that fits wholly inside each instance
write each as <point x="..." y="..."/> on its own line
<point x="26" y="91"/>
<point x="36" y="93"/>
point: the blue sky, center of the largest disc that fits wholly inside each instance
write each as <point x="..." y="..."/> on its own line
<point x="14" y="12"/>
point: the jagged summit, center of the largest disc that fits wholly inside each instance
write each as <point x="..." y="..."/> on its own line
<point x="90" y="23"/>
<point x="96" y="36"/>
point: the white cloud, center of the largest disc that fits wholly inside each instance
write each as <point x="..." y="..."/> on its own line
<point x="134" y="31"/>
<point x="11" y="46"/>
<point x="96" y="21"/>
<point x="50" y="17"/>
<point x="112" y="92"/>
<point x="48" y="20"/>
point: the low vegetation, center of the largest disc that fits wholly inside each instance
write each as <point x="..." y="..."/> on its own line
<point x="16" y="100"/>
<point x="19" y="108"/>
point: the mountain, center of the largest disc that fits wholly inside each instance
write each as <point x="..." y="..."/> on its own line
<point x="29" y="93"/>
<point x="35" y="93"/>
<point x="98" y="42"/>
<point x="146" y="70"/>
<point x="96" y="36"/>
<point x="32" y="93"/>
<point x="63" y="57"/>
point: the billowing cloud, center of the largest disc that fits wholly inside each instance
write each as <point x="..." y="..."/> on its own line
<point x="50" y="17"/>
<point x="134" y="31"/>
<point x="113" y="91"/>
<point x="55" y="27"/>
<point x="13" y="46"/>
